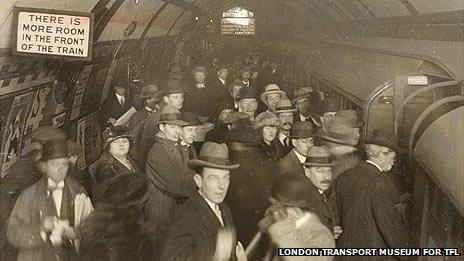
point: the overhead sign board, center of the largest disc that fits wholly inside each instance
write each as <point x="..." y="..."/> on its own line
<point x="53" y="33"/>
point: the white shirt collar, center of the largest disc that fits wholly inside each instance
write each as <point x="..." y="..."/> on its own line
<point x="282" y="137"/>
<point x="121" y="98"/>
<point x="150" y="110"/>
<point x="222" y="81"/>
<point x="201" y="85"/>
<point x="375" y="164"/>
<point x="302" y="117"/>
<point x="184" y="143"/>
<point x="51" y="183"/>
<point x="212" y="205"/>
<point x="300" y="157"/>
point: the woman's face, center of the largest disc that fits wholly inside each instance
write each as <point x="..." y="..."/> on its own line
<point x="269" y="133"/>
<point x="119" y="146"/>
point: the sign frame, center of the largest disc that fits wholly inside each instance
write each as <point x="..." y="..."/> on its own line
<point x="18" y="9"/>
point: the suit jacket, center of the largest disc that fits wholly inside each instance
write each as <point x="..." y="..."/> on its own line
<point x="323" y="205"/>
<point x="284" y="150"/>
<point x="192" y="235"/>
<point x="366" y="203"/>
<point x="205" y="101"/>
<point x="290" y="165"/>
<point x="27" y="215"/>
<point x="111" y="108"/>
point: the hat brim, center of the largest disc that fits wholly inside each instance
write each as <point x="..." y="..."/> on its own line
<point x="385" y="144"/>
<point x="201" y="163"/>
<point x="324" y="135"/>
<point x="265" y="94"/>
<point x="284" y="111"/>
<point x="149" y="95"/>
<point x="300" y="98"/>
<point x="130" y="137"/>
<point x="175" y="122"/>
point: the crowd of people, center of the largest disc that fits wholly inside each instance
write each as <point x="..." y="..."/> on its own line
<point x="273" y="169"/>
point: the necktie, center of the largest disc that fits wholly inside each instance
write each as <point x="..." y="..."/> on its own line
<point x="286" y="142"/>
<point x="52" y="208"/>
<point x="122" y="100"/>
<point x="218" y="213"/>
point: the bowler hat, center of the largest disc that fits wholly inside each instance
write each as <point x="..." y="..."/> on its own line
<point x="385" y="138"/>
<point x="328" y="105"/>
<point x="247" y="93"/>
<point x="45" y="133"/>
<point x="191" y="118"/>
<point x="303" y="92"/>
<point x="172" y="119"/>
<point x="284" y="106"/>
<point x="199" y="69"/>
<point x="53" y="149"/>
<point x="270" y="89"/>
<point x="150" y="90"/>
<point x="222" y="65"/>
<point x="113" y="133"/>
<point x="123" y="190"/>
<point x="291" y="191"/>
<point x="319" y="157"/>
<point x="213" y="155"/>
<point x="235" y="116"/>
<point x="173" y="86"/>
<point x="267" y="119"/>
<point x="302" y="129"/>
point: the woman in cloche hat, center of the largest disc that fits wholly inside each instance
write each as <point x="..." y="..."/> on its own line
<point x="117" y="142"/>
<point x="269" y="124"/>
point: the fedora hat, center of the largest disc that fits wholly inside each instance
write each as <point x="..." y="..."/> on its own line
<point x="50" y="132"/>
<point x="213" y="155"/>
<point x="247" y="93"/>
<point x="113" y="133"/>
<point x="150" y="90"/>
<point x="173" y="86"/>
<point x="222" y="65"/>
<point x="340" y="129"/>
<point x="291" y="191"/>
<point x="191" y="118"/>
<point x="270" y="89"/>
<point x="267" y="119"/>
<point x="303" y="92"/>
<point x="348" y="118"/>
<point x="284" y="105"/>
<point x="53" y="149"/>
<point x="199" y="69"/>
<point x="328" y="105"/>
<point x="172" y="119"/>
<point x="302" y="129"/>
<point x="319" y="157"/>
<point x="384" y="138"/>
<point x="235" y="116"/>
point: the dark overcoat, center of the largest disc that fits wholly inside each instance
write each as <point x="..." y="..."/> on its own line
<point x="323" y="205"/>
<point x="137" y="121"/>
<point x="290" y="165"/>
<point x="203" y="101"/>
<point x="27" y="215"/>
<point x="192" y="235"/>
<point x="111" y="108"/>
<point x="368" y="215"/>
<point x="170" y="183"/>
<point x="273" y="151"/>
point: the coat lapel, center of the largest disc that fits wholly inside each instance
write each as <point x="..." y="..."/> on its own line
<point x="209" y="219"/>
<point x="297" y="164"/>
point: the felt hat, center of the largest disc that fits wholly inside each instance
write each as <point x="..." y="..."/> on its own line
<point x="302" y="129"/>
<point x="172" y="119"/>
<point x="319" y="157"/>
<point x="328" y="105"/>
<point x="222" y="65"/>
<point x="267" y="119"/>
<point x="270" y="89"/>
<point x="113" y="133"/>
<point x="213" y="155"/>
<point x="385" y="138"/>
<point x="191" y="118"/>
<point x="291" y="191"/>
<point x="173" y="86"/>
<point x="53" y="149"/>
<point x="284" y="106"/>
<point x="340" y="129"/>
<point x="304" y="92"/>
<point x="247" y="93"/>
<point x="150" y="90"/>
<point x="199" y="69"/>
<point x="348" y="118"/>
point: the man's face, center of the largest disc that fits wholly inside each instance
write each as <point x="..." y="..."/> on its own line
<point x="151" y="102"/>
<point x="269" y="133"/>
<point x="387" y="158"/>
<point x="222" y="73"/>
<point x="172" y="132"/>
<point x="189" y="133"/>
<point x="286" y="121"/>
<point x="303" y="145"/>
<point x="119" y="146"/>
<point x="303" y="106"/>
<point x="224" y="114"/>
<point x="271" y="101"/>
<point x="120" y="90"/>
<point x="213" y="184"/>
<point x="248" y="106"/>
<point x="327" y="117"/>
<point x="321" y="177"/>
<point x="199" y="77"/>
<point x="57" y="169"/>
<point x="246" y="75"/>
<point x="175" y="100"/>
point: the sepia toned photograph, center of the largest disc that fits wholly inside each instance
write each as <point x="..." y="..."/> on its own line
<point x="231" y="130"/>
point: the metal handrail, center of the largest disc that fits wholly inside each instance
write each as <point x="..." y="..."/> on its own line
<point x="414" y="94"/>
<point x="425" y="113"/>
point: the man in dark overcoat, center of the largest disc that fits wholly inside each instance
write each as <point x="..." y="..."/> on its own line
<point x="116" y="104"/>
<point x="151" y="97"/>
<point x="367" y="200"/>
<point x="302" y="139"/>
<point x="170" y="180"/>
<point x="203" y="228"/>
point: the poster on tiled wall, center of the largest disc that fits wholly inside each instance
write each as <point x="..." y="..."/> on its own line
<point x="12" y="136"/>
<point x="35" y="116"/>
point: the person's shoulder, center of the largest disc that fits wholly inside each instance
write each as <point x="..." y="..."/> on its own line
<point x="75" y="185"/>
